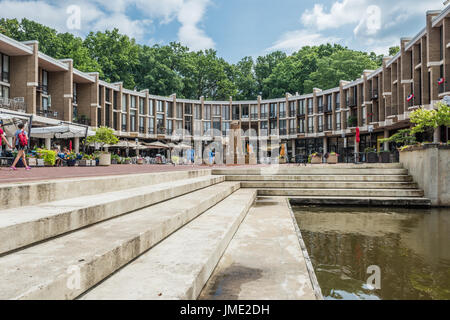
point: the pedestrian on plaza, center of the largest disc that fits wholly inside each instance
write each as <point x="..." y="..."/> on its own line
<point x="3" y="136"/>
<point x="21" y="144"/>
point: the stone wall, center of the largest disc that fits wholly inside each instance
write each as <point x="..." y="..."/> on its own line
<point x="430" y="167"/>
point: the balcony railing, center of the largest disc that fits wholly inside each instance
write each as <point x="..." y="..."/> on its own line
<point x="264" y="115"/>
<point x="124" y="127"/>
<point x="16" y="104"/>
<point x="283" y="132"/>
<point x="151" y="130"/>
<point x="301" y="130"/>
<point x="42" y="88"/>
<point x="254" y="116"/>
<point x="311" y="130"/>
<point x="292" y="113"/>
<point x="310" y="110"/>
<point x="351" y="102"/>
<point x="273" y="115"/>
<point x="282" y="114"/>
<point x="235" y="116"/>
<point x="338" y="105"/>
<point x="141" y="130"/>
<point x="320" y="128"/>
<point x="320" y="108"/>
<point x="292" y="131"/>
<point x="83" y="120"/>
<point x="338" y="126"/>
<point x="161" y="130"/>
<point x="374" y="95"/>
<point x="47" y="113"/>
<point x="328" y="109"/>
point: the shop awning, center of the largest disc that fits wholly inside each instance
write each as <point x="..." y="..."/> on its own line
<point x="60" y="132"/>
<point x="156" y="145"/>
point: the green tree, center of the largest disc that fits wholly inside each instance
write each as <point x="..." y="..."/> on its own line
<point x="244" y="79"/>
<point x="265" y="66"/>
<point x="103" y="136"/>
<point x="393" y="50"/>
<point x="117" y="54"/>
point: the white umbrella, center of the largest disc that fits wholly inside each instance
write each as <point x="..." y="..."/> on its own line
<point x="60" y="132"/>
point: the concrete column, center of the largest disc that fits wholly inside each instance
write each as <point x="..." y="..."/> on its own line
<point x="437" y="135"/>
<point x="48" y="143"/>
<point x="386" y="144"/>
<point x="325" y="145"/>
<point x="293" y="148"/>
<point x="77" y="145"/>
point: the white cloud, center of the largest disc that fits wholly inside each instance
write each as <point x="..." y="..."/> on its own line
<point x="294" y="40"/>
<point x="190" y="34"/>
<point x="341" y="13"/>
<point x="99" y="15"/>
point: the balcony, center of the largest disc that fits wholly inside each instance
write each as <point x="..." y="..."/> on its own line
<point x="292" y="131"/>
<point x="124" y="127"/>
<point x="16" y="104"/>
<point x="47" y="113"/>
<point x="82" y="120"/>
<point x="273" y="115"/>
<point x="264" y="115"/>
<point x="42" y="88"/>
<point x="338" y="126"/>
<point x="320" y="128"/>
<point x="374" y="95"/>
<point x="310" y="110"/>
<point x="141" y="130"/>
<point x="235" y="116"/>
<point x="351" y="102"/>
<point x="282" y="114"/>
<point x="283" y="132"/>
<point x="338" y="105"/>
<point x="254" y="116"/>
<point x="161" y="131"/>
<point x="328" y="109"/>
<point x="151" y="130"/>
<point x="320" y="108"/>
<point x="310" y="130"/>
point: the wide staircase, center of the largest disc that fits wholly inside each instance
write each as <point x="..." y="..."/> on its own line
<point x="149" y="236"/>
<point x="160" y="235"/>
<point x="365" y="184"/>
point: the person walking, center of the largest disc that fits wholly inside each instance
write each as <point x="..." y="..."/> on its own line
<point x="3" y="137"/>
<point x="21" y="143"/>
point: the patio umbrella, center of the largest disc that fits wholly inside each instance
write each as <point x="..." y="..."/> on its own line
<point x="60" y="132"/>
<point x="157" y="145"/>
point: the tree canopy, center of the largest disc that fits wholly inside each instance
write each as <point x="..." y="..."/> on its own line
<point x="173" y="68"/>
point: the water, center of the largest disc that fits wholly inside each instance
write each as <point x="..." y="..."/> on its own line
<point x="411" y="247"/>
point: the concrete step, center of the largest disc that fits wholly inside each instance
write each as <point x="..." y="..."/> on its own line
<point x="342" y="192"/>
<point x="65" y="267"/>
<point x="328" y="185"/>
<point x="23" y="226"/>
<point x="179" y="266"/>
<point x="303" y="177"/>
<point x="32" y="193"/>
<point x="310" y="170"/>
<point x="362" y="201"/>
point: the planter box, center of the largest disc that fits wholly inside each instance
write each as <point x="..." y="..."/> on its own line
<point x="84" y="163"/>
<point x="71" y="163"/>
<point x="316" y="160"/>
<point x="385" y="157"/>
<point x="140" y="161"/>
<point x="32" y="162"/>
<point x="105" y="159"/>
<point x="40" y="163"/>
<point x="372" y="157"/>
<point x="332" y="159"/>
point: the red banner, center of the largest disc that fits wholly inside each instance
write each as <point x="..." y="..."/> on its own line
<point x="357" y="135"/>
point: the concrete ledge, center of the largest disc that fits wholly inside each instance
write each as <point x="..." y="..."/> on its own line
<point x="23" y="226"/>
<point x="328" y="185"/>
<point x="32" y="193"/>
<point x="46" y="270"/>
<point x="317" y="178"/>
<point x="179" y="267"/>
<point x="311" y="170"/>
<point x="371" y="202"/>
<point x="342" y="192"/>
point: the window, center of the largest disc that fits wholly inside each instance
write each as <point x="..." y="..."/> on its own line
<point x="245" y="114"/>
<point x="320" y="104"/>
<point x="141" y="105"/>
<point x="4" y="61"/>
<point x="292" y="108"/>
<point x="254" y="112"/>
<point x="151" y="125"/>
<point x="310" y="124"/>
<point x="75" y="101"/>
<point x="283" y="130"/>
<point x="141" y="125"/>
<point x="264" y="125"/>
<point x="301" y="126"/>
<point x="226" y="112"/>
<point x="329" y="102"/>
<point x="273" y="126"/>
<point x="273" y="110"/>
<point x="225" y="128"/>
<point x="179" y="111"/>
<point x="115" y="97"/>
<point x="320" y="123"/>
<point x="198" y="112"/>
<point x="169" y="127"/>
<point x="282" y="110"/>
<point x="160" y="124"/>
<point x="310" y="106"/>
<point x="107" y="114"/>
<point x="159" y="106"/>
<point x="264" y="111"/>
<point x="150" y="108"/>
<point x="329" y="122"/>
<point x="188" y="108"/>
<point x="44" y="83"/>
<point x="169" y="109"/>
<point x="107" y="97"/>
<point x="206" y="127"/>
<point x="124" y="122"/>
<point x="207" y="112"/>
<point x="124" y="102"/>
<point x="301" y="107"/>
<point x="133" y="121"/>
<point x="133" y="102"/>
<point x="235" y="112"/>
<point x="216" y="110"/>
<point x="338" y="101"/>
<point x="188" y="124"/>
<point x="216" y="124"/>
<point x="44" y="102"/>
<point x="292" y="128"/>
<point x="338" y="121"/>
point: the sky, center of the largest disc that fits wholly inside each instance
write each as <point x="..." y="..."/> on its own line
<point x="237" y="28"/>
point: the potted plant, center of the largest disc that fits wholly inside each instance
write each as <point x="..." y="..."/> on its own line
<point x="140" y="160"/>
<point x="332" y="158"/>
<point x="115" y="159"/>
<point x="71" y="159"/>
<point x="103" y="136"/>
<point x="352" y="121"/>
<point x="48" y="156"/>
<point x="371" y="155"/>
<point x="315" y="158"/>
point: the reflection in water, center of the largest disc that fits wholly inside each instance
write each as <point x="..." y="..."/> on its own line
<point x="411" y="247"/>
